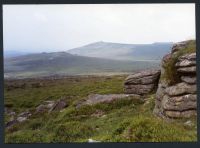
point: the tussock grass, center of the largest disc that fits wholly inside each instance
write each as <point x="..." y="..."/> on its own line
<point x="120" y="121"/>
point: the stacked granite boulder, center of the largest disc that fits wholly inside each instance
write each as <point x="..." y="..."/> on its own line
<point x="142" y="82"/>
<point x="180" y="99"/>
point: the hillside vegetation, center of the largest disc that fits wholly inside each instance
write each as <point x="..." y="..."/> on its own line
<point x="119" y="121"/>
<point x="118" y="51"/>
<point x="62" y="63"/>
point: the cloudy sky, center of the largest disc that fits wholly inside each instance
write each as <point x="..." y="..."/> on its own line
<point x="61" y="27"/>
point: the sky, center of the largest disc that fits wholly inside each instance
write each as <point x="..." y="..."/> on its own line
<point x="50" y="28"/>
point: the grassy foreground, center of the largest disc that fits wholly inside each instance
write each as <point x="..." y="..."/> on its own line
<point x="119" y="121"/>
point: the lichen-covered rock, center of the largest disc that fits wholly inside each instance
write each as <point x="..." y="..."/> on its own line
<point x="142" y="82"/>
<point x="189" y="79"/>
<point x="186" y="60"/>
<point x="180" y="103"/>
<point x="177" y="99"/>
<point x="178" y="114"/>
<point x="187" y="70"/>
<point x="179" y="46"/>
<point x="181" y="89"/>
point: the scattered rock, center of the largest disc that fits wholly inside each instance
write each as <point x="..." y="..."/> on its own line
<point x="25" y="114"/>
<point x="21" y="119"/>
<point x="41" y="109"/>
<point x="98" y="113"/>
<point x="11" y="113"/>
<point x="11" y="123"/>
<point x="59" y="105"/>
<point x="96" y="98"/>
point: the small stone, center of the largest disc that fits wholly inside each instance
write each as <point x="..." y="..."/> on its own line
<point x="92" y="141"/>
<point x="40" y="109"/>
<point x="21" y="119"/>
<point x="189" y="123"/>
<point x="59" y="105"/>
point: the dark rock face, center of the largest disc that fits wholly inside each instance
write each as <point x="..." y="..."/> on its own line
<point x="142" y="83"/>
<point x="180" y="99"/>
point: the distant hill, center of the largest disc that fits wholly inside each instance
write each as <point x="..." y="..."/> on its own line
<point x="13" y="53"/>
<point x="119" y="51"/>
<point x="44" y="64"/>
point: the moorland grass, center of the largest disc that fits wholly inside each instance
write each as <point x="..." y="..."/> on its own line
<point x="120" y="121"/>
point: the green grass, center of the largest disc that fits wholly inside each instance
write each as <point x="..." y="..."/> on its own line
<point x="121" y="121"/>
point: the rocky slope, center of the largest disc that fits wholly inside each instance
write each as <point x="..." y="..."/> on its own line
<point x="175" y="83"/>
<point x="176" y="94"/>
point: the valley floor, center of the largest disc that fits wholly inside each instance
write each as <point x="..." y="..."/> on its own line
<point x="120" y="121"/>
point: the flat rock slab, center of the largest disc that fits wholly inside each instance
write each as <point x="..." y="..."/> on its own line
<point x="97" y="98"/>
<point x="142" y="82"/>
<point x="178" y="114"/>
<point x="189" y="79"/>
<point x="181" y="89"/>
<point x="180" y="103"/>
<point x="138" y="77"/>
<point x="186" y="60"/>
<point x="51" y="106"/>
<point x="59" y="105"/>
<point x="187" y="70"/>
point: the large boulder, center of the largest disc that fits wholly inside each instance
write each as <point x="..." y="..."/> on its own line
<point x="142" y="82"/>
<point x="179" y="99"/>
